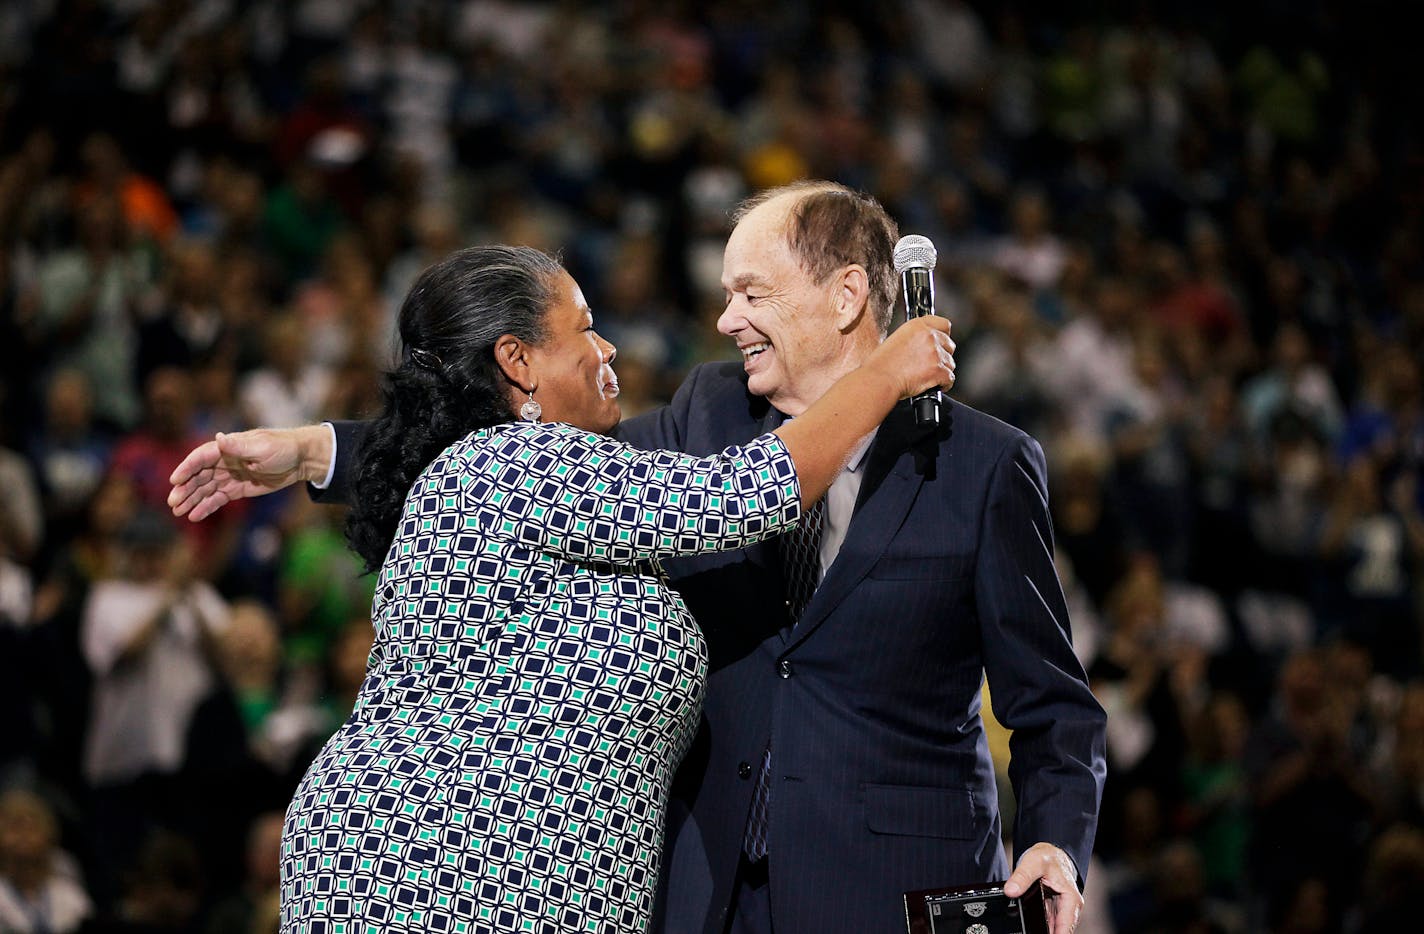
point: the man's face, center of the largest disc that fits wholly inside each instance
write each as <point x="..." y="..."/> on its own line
<point x="781" y="320"/>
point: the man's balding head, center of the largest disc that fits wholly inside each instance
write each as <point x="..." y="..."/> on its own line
<point x="830" y="226"/>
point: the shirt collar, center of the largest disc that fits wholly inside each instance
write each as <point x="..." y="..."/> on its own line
<point x="857" y="453"/>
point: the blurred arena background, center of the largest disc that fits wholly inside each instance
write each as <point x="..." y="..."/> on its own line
<point x="1180" y="244"/>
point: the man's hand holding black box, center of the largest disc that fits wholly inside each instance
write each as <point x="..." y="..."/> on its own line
<point x="983" y="909"/>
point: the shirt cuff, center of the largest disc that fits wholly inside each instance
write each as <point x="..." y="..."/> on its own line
<point x="331" y="467"/>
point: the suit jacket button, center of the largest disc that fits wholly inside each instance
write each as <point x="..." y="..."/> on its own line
<point x="783" y="668"/>
<point x="744" y="769"/>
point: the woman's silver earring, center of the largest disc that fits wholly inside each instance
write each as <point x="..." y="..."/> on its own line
<point x="531" y="410"/>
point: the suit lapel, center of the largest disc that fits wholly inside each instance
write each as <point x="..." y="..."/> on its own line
<point x="893" y="478"/>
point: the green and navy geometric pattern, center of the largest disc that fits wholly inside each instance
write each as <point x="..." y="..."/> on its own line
<point x="533" y="685"/>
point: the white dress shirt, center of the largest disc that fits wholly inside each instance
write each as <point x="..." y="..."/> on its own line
<point x="840" y="503"/>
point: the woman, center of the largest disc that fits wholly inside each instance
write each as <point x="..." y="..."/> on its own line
<point x="534" y="681"/>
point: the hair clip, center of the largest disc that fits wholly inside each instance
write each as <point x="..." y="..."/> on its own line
<point x="424" y="358"/>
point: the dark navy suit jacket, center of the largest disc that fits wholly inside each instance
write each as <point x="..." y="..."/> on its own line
<point x="881" y="776"/>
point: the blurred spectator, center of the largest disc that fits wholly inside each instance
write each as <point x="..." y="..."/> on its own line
<point x="21" y="511"/>
<point x="1004" y="369"/>
<point x="1082" y="610"/>
<point x="275" y="703"/>
<point x="1072" y="85"/>
<point x="342" y="311"/>
<point x="236" y="205"/>
<point x="1179" y="246"/>
<point x="40" y="887"/>
<point x="18" y="741"/>
<point x="1129" y="870"/>
<point x="1306" y="908"/>
<point x="1217" y="803"/>
<point x="145" y="52"/>
<point x="188" y="324"/>
<point x="16" y="359"/>
<point x="950" y="40"/>
<point x="1095" y="358"/>
<point x="1146" y="674"/>
<point x="147" y="212"/>
<point x="435" y="229"/>
<point x="974" y="161"/>
<point x="291" y="388"/>
<point x="420" y="83"/>
<point x="1221" y="452"/>
<point x="16" y="593"/>
<point x="211" y="104"/>
<point x="346" y="668"/>
<point x="1209" y="303"/>
<point x="1200" y="323"/>
<point x="87" y="308"/>
<point x="1293" y="382"/>
<point x="1301" y="761"/>
<point x="1370" y="541"/>
<point x="1017" y="78"/>
<point x="254" y="909"/>
<point x="54" y="658"/>
<point x="215" y="398"/>
<point x="163" y="888"/>
<point x="300" y="219"/>
<point x="94" y="553"/>
<point x="324" y="139"/>
<point x="248" y="742"/>
<point x="1031" y="252"/>
<point x="1182" y="904"/>
<point x="1394" y="875"/>
<point x="147" y="638"/>
<point x="243" y="295"/>
<point x="1141" y="104"/>
<point x="1086" y="524"/>
<point x="69" y="451"/>
<point x="1289" y="504"/>
<point x="636" y="314"/>
<point x="1402" y="767"/>
<point x="320" y="586"/>
<point x="1151" y="474"/>
<point x="20" y="528"/>
<point x="146" y="456"/>
<point x="355" y="389"/>
<point x="1387" y="420"/>
<point x="1281" y="95"/>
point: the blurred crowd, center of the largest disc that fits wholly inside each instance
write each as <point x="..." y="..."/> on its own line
<point x="1180" y="246"/>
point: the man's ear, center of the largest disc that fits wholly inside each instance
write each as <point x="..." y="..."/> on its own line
<point x="512" y="355"/>
<point x="852" y="294"/>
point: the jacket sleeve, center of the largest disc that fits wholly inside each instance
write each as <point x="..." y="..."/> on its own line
<point x="585" y="496"/>
<point x="349" y="436"/>
<point x="1038" y="688"/>
<point x="664" y="427"/>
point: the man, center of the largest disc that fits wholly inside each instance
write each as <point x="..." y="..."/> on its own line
<point x="841" y="759"/>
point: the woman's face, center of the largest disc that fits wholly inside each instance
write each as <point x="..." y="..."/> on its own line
<point x="573" y="366"/>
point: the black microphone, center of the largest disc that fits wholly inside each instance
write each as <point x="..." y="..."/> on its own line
<point x="915" y="262"/>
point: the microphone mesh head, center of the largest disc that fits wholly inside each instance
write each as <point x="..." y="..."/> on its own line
<point x="914" y="252"/>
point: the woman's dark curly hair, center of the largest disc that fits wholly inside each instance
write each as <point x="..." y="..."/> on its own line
<point x="447" y="383"/>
